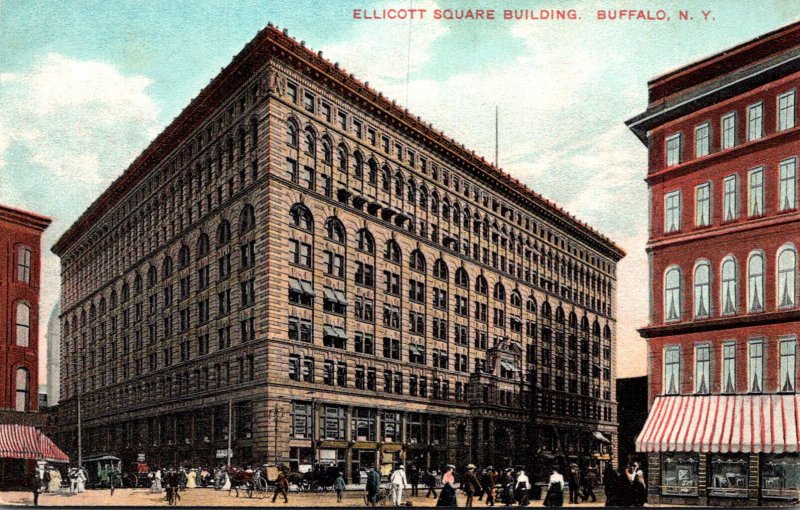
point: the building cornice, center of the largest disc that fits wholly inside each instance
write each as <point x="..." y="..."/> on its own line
<point x="24" y="218"/>
<point x="272" y="43"/>
<point x="720" y="324"/>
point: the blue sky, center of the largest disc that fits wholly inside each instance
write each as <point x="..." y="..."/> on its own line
<point x="84" y="86"/>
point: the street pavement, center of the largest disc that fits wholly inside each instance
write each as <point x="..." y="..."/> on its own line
<point x="211" y="497"/>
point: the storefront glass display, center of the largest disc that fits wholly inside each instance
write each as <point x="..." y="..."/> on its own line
<point x="679" y="474"/>
<point x="727" y="476"/>
<point x="780" y="476"/>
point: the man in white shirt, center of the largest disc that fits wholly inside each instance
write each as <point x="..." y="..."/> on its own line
<point x="398" y="480"/>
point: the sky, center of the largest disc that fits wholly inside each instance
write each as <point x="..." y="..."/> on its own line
<point x="85" y="86"/>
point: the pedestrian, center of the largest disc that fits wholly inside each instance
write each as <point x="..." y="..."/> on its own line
<point x="112" y="480"/>
<point x="72" y="474"/>
<point x="611" y="485"/>
<point x="624" y="487"/>
<point x="55" y="479"/>
<point x="507" y="483"/>
<point x="522" y="488"/>
<point x="399" y="483"/>
<point x="191" y="479"/>
<point x="413" y="479"/>
<point x="373" y="484"/>
<point x="574" y="482"/>
<point x="488" y="481"/>
<point x="639" y="489"/>
<point x="431" y="481"/>
<point x="36" y="485"/>
<point x="281" y="486"/>
<point x="589" y="482"/>
<point x="447" y="497"/>
<point x="82" y="477"/>
<point x="555" y="489"/>
<point x="470" y="485"/>
<point x="338" y="485"/>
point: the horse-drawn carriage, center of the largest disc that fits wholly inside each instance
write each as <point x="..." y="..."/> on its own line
<point x="102" y="471"/>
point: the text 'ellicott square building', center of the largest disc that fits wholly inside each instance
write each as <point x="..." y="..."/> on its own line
<point x="357" y="288"/>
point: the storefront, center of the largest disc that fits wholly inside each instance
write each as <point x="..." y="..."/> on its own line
<point x="723" y="450"/>
<point x="20" y="447"/>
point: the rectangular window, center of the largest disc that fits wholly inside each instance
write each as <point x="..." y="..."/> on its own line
<point x="730" y="199"/>
<point x="786" y="115"/>
<point x="702" y="369"/>
<point x="729" y="367"/>
<point x="755" y="194"/>
<point x="755" y="121"/>
<point x="680" y="473"/>
<point x="787" y="193"/>
<point x="755" y="366"/>
<point x="308" y="102"/>
<point x="728" y="474"/>
<point x="780" y="476"/>
<point x="291" y="169"/>
<point x="672" y="211"/>
<point x="301" y="421"/>
<point x="702" y="205"/>
<point x="728" y="134"/>
<point x="702" y="139"/>
<point x="672" y="370"/>
<point x="326" y="111"/>
<point x="24" y="264"/>
<point x="673" y="146"/>
<point x="788" y="369"/>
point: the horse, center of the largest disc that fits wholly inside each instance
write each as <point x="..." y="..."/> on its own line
<point x="241" y="479"/>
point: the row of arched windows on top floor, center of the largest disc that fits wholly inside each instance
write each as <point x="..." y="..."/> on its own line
<point x="729" y="286"/>
<point x="247" y="222"/>
<point x="301" y="218"/>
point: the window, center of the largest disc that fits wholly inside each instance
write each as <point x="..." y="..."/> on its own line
<point x="755" y="285"/>
<point x="306" y="177"/>
<point x="335" y="230"/>
<point x="23" y="324"/>
<point x="294" y="367"/>
<point x="756" y="191"/>
<point x="787" y="272"/>
<point x="755" y="121"/>
<point x="702" y="140"/>
<point x="302" y="423"/>
<point x="788" y="369"/>
<point x="672" y="370"/>
<point x="728" y="130"/>
<point x="787" y="193"/>
<point x="729" y="367"/>
<point x="334" y="423"/>
<point x="786" y="115"/>
<point x="780" y="476"/>
<point x="755" y="366"/>
<point x="728" y="475"/>
<point x="301" y="218"/>
<point x="674" y="149"/>
<point x="363" y="423"/>
<point x="392" y="251"/>
<point x="702" y="205"/>
<point x="729" y="294"/>
<point x="702" y="289"/>
<point x="291" y="134"/>
<point x="22" y="403"/>
<point x="366" y="242"/>
<point x="730" y="199"/>
<point x="702" y="369"/>
<point x="308" y="102"/>
<point x="301" y="292"/>
<point x="23" y="264"/>
<point x="679" y="473"/>
<point x="334" y="264"/>
<point x="672" y="294"/>
<point x="299" y="253"/>
<point x="672" y="211"/>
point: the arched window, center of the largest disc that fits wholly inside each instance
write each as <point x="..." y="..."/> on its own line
<point x="398" y="184"/>
<point x="102" y="306"/>
<point x="23" y="322"/>
<point x="702" y="289"/>
<point x="386" y="177"/>
<point x="755" y="282"/>
<point x="183" y="257"/>
<point x="446" y="209"/>
<point x="729" y="285"/>
<point x="366" y="242"/>
<point x="787" y="277"/>
<point x="531" y="304"/>
<point x="137" y="284"/>
<point x="327" y="151"/>
<point x="435" y="203"/>
<point x="481" y="285"/>
<point x="412" y="192"/>
<point x="223" y="233"/>
<point x="342" y="156"/>
<point x="560" y="315"/>
<point x="92" y="313"/>
<point x="23" y="383"/>
<point x="672" y="294"/>
<point x="301" y="217"/>
<point x="311" y="141"/>
<point x="203" y="245"/>
<point x="373" y="171"/>
<point x="114" y="294"/>
<point x="516" y="298"/>
<point x="291" y="134"/>
<point x="166" y="271"/>
<point x="417" y="261"/>
<point x="358" y="165"/>
<point x="547" y="311"/>
<point x="335" y="230"/>
<point x="499" y="291"/>
<point x="247" y="219"/>
<point x="392" y="251"/>
<point x="573" y="320"/>
<point x="152" y="276"/>
<point x="83" y="318"/>
<point x="440" y="269"/>
<point x="423" y="197"/>
<point x="585" y="324"/>
<point x="462" y="278"/>
<point x="607" y="332"/>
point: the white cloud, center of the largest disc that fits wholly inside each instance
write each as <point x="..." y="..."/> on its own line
<point x="67" y="129"/>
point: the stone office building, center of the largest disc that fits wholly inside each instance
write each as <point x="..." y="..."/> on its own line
<point x="300" y="264"/>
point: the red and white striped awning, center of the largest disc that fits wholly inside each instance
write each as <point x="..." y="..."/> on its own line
<point x="25" y="442"/>
<point x="722" y="423"/>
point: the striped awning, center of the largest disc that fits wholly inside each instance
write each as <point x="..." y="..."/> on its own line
<point x="25" y="442"/>
<point x="722" y="423"/>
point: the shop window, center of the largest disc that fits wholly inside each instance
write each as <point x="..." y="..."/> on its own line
<point x="780" y="476"/>
<point x="679" y="474"/>
<point x="727" y="476"/>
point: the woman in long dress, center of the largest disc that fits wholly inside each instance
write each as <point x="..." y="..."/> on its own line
<point x="191" y="479"/>
<point x="555" y="489"/>
<point x="156" y="487"/>
<point x="81" y="479"/>
<point x="55" y="481"/>
<point x="447" y="497"/>
<point x="226" y="486"/>
<point x="522" y="489"/>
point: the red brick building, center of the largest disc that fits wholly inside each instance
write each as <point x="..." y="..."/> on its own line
<point x="20" y="249"/>
<point x="723" y="142"/>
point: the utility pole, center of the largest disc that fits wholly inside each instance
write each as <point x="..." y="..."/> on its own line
<point x="80" y="452"/>
<point x="230" y="430"/>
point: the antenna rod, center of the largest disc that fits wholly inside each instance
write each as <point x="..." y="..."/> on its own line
<point x="496" y="137"/>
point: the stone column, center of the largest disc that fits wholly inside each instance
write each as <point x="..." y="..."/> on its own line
<point x="480" y="450"/>
<point x="490" y="442"/>
<point x="348" y="435"/>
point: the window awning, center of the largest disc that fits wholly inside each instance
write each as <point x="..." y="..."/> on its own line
<point x="722" y="423"/>
<point x="340" y="332"/>
<point x="508" y="366"/>
<point x="329" y="294"/>
<point x="307" y="288"/>
<point x="414" y="348"/>
<point x="294" y="284"/>
<point x="25" y="442"/>
<point x="600" y="437"/>
<point x="329" y="331"/>
<point x="340" y="297"/>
